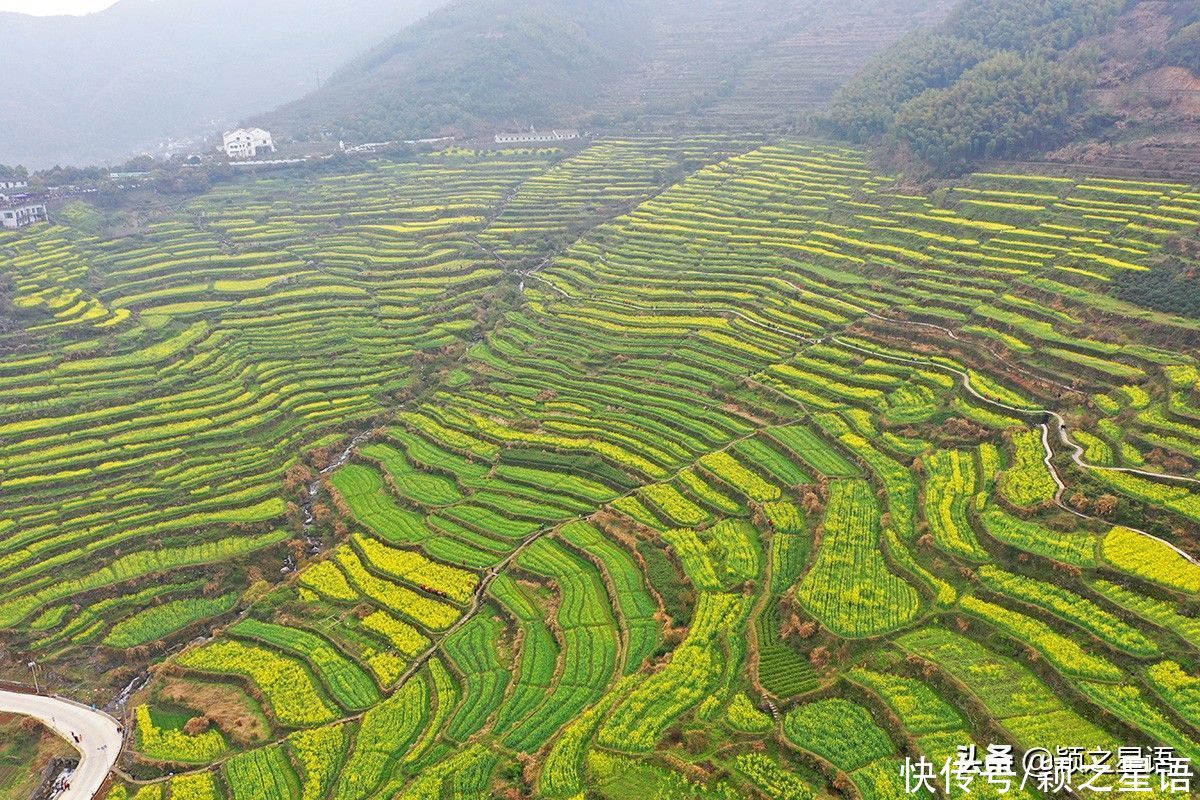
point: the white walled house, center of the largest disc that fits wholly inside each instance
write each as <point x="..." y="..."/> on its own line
<point x="13" y="183"/>
<point x="18" y="215"/>
<point x="247" y="143"/>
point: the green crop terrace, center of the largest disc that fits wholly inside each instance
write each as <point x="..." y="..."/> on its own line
<point x="696" y="468"/>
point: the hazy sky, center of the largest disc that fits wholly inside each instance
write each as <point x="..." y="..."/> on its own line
<point x="55" y="6"/>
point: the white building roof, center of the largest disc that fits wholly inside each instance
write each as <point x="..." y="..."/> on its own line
<point x="253" y="133"/>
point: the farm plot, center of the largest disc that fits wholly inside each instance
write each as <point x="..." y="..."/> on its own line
<point x="1027" y="483"/>
<point x="1012" y="694"/>
<point x="197" y="349"/>
<point x="850" y="588"/>
<point x="287" y="685"/>
<point x="844" y="734"/>
<point x="949" y="489"/>
<point x="694" y="672"/>
<point x="589" y="638"/>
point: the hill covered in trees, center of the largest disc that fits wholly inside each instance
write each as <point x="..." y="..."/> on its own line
<point x="1005" y="80"/>
<point x="475" y="60"/>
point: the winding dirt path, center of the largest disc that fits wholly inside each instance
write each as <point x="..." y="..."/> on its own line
<point x="1077" y="450"/>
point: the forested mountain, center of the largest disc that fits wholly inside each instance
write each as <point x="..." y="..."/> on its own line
<point x="480" y="64"/>
<point x="1006" y="79"/>
<point x="80" y="89"/>
<point x="476" y="59"/>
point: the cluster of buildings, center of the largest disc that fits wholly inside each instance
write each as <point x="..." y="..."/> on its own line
<point x="244" y="144"/>
<point x="19" y="209"/>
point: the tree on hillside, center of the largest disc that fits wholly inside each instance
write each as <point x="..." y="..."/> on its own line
<point x="1183" y="50"/>
<point x="1001" y="108"/>
<point x="996" y="79"/>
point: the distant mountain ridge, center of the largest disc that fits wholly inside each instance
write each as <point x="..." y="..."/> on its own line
<point x="96" y="87"/>
<point x="477" y="65"/>
<point x="473" y="60"/>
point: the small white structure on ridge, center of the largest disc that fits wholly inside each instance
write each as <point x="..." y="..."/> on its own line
<point x="532" y="136"/>
<point x="247" y="143"/>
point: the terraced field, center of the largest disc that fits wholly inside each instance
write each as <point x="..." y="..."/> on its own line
<point x="715" y="65"/>
<point x="764" y="474"/>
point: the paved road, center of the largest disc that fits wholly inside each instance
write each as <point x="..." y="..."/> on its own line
<point x="100" y="738"/>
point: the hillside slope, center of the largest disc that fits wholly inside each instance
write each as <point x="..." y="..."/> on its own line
<point x="481" y="64"/>
<point x="81" y="89"/>
<point x="1148" y="88"/>
<point x="475" y="60"/>
<point x="1024" y="77"/>
<point x="384" y="515"/>
<point x="755" y="63"/>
